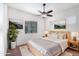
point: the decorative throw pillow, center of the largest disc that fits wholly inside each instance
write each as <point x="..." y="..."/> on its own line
<point x="61" y="35"/>
<point x="53" y="36"/>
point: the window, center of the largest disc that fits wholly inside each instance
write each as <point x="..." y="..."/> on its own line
<point x="30" y="27"/>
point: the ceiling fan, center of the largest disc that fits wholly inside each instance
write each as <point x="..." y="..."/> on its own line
<point x="44" y="13"/>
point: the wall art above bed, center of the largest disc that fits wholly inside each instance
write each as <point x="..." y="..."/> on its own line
<point x="59" y="24"/>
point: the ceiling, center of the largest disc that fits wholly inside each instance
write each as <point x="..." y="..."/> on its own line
<point x="34" y="7"/>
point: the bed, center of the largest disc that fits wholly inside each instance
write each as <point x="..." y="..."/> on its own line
<point x="51" y="47"/>
<point x="41" y="47"/>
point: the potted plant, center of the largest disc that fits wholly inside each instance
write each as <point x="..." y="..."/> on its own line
<point x="12" y="35"/>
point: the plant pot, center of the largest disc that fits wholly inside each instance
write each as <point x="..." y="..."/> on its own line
<point x="13" y="45"/>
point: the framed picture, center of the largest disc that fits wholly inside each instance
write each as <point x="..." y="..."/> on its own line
<point x="18" y="25"/>
<point x="59" y="26"/>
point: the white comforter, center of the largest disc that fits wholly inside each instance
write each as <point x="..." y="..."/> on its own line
<point x="46" y="47"/>
<point x="62" y="42"/>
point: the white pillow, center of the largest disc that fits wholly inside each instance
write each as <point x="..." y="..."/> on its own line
<point x="53" y="36"/>
<point x="62" y="36"/>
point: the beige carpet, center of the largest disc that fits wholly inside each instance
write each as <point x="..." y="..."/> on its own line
<point x="25" y="52"/>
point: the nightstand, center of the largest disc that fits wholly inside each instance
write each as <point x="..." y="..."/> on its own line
<point x="73" y="44"/>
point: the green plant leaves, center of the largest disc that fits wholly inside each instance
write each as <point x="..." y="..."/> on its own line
<point x="12" y="33"/>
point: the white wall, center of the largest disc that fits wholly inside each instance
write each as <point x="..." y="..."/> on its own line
<point x="3" y="29"/>
<point x="25" y="16"/>
<point x="74" y="11"/>
<point x="19" y="15"/>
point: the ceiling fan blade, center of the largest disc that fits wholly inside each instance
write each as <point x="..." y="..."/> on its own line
<point x="40" y="11"/>
<point x="50" y="15"/>
<point x="50" y="11"/>
<point x="45" y="13"/>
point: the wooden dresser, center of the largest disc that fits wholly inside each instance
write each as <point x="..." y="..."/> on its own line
<point x="73" y="44"/>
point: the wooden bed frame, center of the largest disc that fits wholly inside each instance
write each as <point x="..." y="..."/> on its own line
<point x="34" y="51"/>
